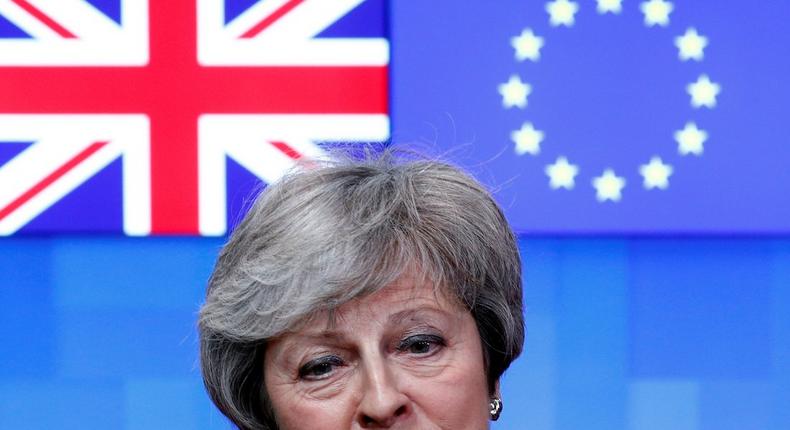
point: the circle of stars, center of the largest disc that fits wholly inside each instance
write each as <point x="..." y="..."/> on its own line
<point x="608" y="185"/>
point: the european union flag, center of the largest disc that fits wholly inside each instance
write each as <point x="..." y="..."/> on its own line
<point x="606" y="116"/>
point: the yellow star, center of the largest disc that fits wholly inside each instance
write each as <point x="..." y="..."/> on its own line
<point x="561" y="174"/>
<point x="561" y="12"/>
<point x="609" y="186"/>
<point x="514" y="92"/>
<point x="703" y="92"/>
<point x="656" y="174"/>
<point x="527" y="45"/>
<point x="691" y="45"/>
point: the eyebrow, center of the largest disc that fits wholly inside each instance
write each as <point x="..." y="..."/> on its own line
<point x="414" y="314"/>
<point x="397" y="318"/>
<point x="332" y="336"/>
<point x="336" y="337"/>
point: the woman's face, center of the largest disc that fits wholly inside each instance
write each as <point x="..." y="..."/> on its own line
<point x="403" y="358"/>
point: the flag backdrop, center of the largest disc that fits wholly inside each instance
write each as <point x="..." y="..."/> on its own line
<point x="606" y="116"/>
<point x="157" y="118"/>
<point x="130" y="116"/>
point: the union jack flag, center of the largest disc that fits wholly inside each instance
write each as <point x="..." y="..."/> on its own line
<point x="126" y="115"/>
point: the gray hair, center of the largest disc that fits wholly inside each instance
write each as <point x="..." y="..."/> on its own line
<point x="335" y="231"/>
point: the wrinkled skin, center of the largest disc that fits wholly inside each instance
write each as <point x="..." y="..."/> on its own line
<point x="403" y="358"/>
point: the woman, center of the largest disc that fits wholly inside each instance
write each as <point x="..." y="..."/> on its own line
<point x="358" y="294"/>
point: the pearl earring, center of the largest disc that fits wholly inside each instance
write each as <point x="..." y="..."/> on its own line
<point x="496" y="407"/>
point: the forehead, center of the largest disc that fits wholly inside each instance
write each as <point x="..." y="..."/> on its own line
<point x="410" y="296"/>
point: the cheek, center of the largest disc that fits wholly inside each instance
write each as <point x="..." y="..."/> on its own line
<point x="458" y="398"/>
<point x="456" y="406"/>
<point x="295" y="412"/>
<point x="296" y="409"/>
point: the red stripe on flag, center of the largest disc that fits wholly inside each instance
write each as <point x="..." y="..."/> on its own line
<point x="52" y="177"/>
<point x="287" y="150"/>
<point x="271" y="19"/>
<point x="49" y="22"/>
<point x="164" y="90"/>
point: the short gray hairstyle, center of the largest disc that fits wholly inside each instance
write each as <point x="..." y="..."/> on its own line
<point x="338" y="230"/>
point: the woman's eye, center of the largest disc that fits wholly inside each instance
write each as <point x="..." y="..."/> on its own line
<point x="319" y="368"/>
<point x="421" y="344"/>
<point x="421" y="347"/>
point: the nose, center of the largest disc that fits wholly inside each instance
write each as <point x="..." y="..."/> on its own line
<point x="383" y="405"/>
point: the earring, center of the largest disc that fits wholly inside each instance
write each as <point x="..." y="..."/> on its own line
<point x="496" y="407"/>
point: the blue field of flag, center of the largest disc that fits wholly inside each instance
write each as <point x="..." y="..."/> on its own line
<point x="608" y="117"/>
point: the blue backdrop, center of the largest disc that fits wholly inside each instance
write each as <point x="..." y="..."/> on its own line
<point x="635" y="334"/>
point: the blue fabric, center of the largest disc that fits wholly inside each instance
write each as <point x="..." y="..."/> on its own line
<point x="622" y="334"/>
